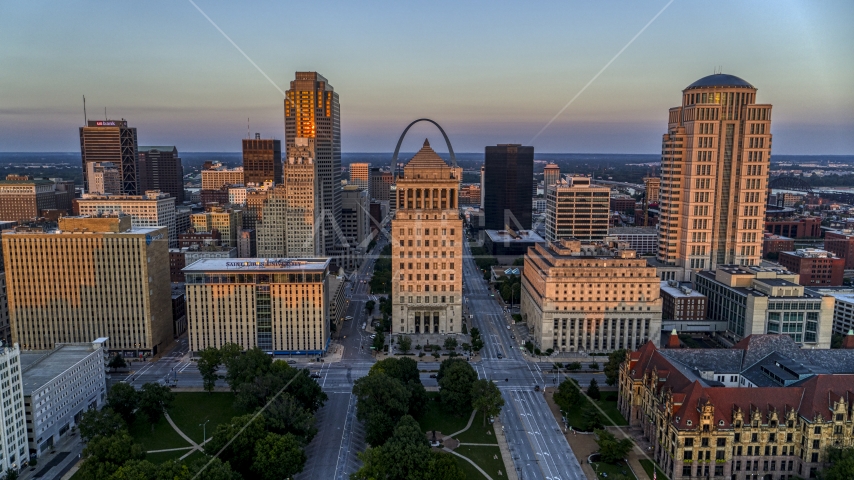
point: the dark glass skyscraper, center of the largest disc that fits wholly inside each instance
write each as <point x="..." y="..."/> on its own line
<point x="262" y="160"/>
<point x="111" y="141"/>
<point x="160" y="169"/>
<point x="509" y="170"/>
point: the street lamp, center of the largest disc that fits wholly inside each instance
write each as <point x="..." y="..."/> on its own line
<point x="204" y="431"/>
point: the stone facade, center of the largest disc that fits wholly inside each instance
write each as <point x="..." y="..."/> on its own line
<point x="589" y="297"/>
<point x="427" y="250"/>
<point x="693" y="406"/>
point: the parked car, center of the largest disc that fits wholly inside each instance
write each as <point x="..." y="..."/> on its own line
<point x="432" y="375"/>
<point x="500" y="356"/>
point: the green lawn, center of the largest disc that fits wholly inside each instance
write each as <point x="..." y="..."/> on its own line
<point x="478" y="433"/>
<point x="468" y="468"/>
<point x="648" y="465"/>
<point x="485" y="457"/>
<point x="608" y="403"/>
<point x="163" y="436"/>
<point x="612" y="470"/>
<point x="437" y="418"/>
<point x="191" y="409"/>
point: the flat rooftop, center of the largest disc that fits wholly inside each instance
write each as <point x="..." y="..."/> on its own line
<point x="258" y="265"/>
<point x="633" y="231"/>
<point x="519" y="236"/>
<point x="41" y="366"/>
<point x="677" y="292"/>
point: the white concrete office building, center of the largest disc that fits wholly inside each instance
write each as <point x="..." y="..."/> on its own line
<point x="59" y="385"/>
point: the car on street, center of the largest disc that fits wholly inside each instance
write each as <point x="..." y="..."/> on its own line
<point x="512" y="336"/>
<point x="536" y="388"/>
<point x="508" y="327"/>
<point x="291" y="362"/>
<point x="432" y="375"/>
<point x="373" y="335"/>
<point x="348" y="318"/>
<point x="317" y="375"/>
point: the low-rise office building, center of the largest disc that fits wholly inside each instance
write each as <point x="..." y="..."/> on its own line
<point x="684" y="309"/>
<point x="764" y="409"/>
<point x="59" y="385"/>
<point x="590" y="297"/>
<point x="278" y="305"/>
<point x="756" y="300"/>
<point x="152" y="209"/>
<point x="841" y="242"/>
<point x="13" y="434"/>
<point x="815" y="267"/>
<point x="643" y="240"/>
<point x="773" y="244"/>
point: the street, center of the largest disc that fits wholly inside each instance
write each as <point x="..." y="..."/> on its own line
<point x="536" y="441"/>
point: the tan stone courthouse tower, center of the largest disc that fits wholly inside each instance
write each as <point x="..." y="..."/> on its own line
<point x="427" y="247"/>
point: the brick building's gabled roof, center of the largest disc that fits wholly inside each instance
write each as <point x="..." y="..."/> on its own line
<point x="822" y="391"/>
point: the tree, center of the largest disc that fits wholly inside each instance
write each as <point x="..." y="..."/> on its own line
<point x="475" y="333"/>
<point x="11" y="474"/>
<point x="591" y="417"/>
<point x="369" y="306"/>
<point x="836" y="340"/>
<point x="379" y="341"/>
<point x="477" y="344"/>
<point x="612" y="368"/>
<point x="593" y="366"/>
<point x="841" y="461"/>
<point x="404" y="369"/>
<point x="612" y="450"/>
<point x="104" y="455"/>
<point x="286" y="415"/>
<point x="380" y="403"/>
<point x="240" y="453"/>
<point x="116" y="362"/>
<point x="567" y="395"/>
<point x="406" y="455"/>
<point x="154" y="400"/>
<point x="443" y="467"/>
<point x="104" y="422"/>
<point x="122" y="398"/>
<point x="404" y="344"/>
<point x="278" y="457"/>
<point x="450" y="343"/>
<point x="519" y="262"/>
<point x="245" y="367"/>
<point x="486" y="397"/>
<point x="593" y="390"/>
<point x="573" y="366"/>
<point x="455" y="379"/>
<point x="208" y="363"/>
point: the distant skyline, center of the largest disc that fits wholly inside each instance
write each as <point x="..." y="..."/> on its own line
<point x="488" y="72"/>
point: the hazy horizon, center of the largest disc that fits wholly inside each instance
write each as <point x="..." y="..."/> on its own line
<point x="487" y="72"/>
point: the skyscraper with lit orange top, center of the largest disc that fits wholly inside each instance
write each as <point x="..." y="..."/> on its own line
<point x="312" y="111"/>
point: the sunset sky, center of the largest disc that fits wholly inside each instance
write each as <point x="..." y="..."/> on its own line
<point x="488" y="72"/>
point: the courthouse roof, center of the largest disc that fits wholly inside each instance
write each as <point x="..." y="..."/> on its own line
<point x="427" y="158"/>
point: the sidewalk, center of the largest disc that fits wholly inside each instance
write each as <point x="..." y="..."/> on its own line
<point x="509" y="468"/>
<point x="53" y="465"/>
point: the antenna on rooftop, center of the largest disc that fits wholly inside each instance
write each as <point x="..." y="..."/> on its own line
<point x="105" y="113"/>
<point x="247" y="128"/>
<point x="85" y="118"/>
